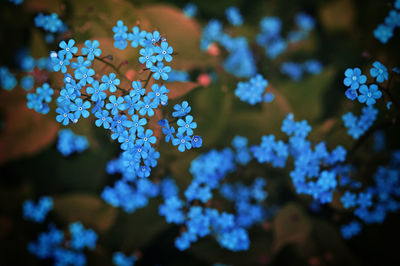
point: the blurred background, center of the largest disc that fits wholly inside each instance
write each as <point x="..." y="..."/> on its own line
<point x="31" y="166"/>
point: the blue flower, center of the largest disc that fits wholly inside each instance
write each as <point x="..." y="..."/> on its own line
<point x="138" y="90"/>
<point x="84" y="76"/>
<point x="197" y="141"/>
<point x="119" y="259"/>
<point x="80" y="63"/>
<point x="351" y="94"/>
<point x="164" y="52"/>
<point x="68" y="49"/>
<point x="37" y="213"/>
<point x="183" y="142"/>
<point x="151" y="39"/>
<point x="383" y="33"/>
<point x="233" y="16"/>
<point x="379" y="71"/>
<point x="160" y="71"/>
<point x="120" y="29"/>
<point x="354" y="78"/>
<point x="79" y="107"/>
<point x="145" y="139"/>
<point x="147" y="57"/>
<point x="27" y="82"/>
<point x="115" y="104"/>
<point x="348" y="200"/>
<point x="169" y="133"/>
<point x="110" y="82"/>
<point x="137" y="124"/>
<point x="59" y="63"/>
<point x="64" y="116"/>
<point x="103" y="119"/>
<point x="91" y="49"/>
<point x="96" y="91"/>
<point x="181" y="109"/>
<point x="146" y="106"/>
<point x="158" y="94"/>
<point x="190" y="10"/>
<point x="136" y="37"/>
<point x="186" y="126"/>
<point x="369" y="95"/>
<point x="66" y="96"/>
<point x="130" y="102"/>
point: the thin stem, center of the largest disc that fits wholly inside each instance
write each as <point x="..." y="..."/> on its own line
<point x="148" y="79"/>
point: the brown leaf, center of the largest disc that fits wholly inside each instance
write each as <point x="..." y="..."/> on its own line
<point x="25" y="131"/>
<point x="178" y="89"/>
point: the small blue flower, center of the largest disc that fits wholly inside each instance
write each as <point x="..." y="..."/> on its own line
<point x="186" y="126"/>
<point x="145" y="139"/>
<point x="96" y="91"/>
<point x="146" y="106"/>
<point x="383" y="33"/>
<point x="160" y="71"/>
<point x="169" y="133"/>
<point x="64" y="116"/>
<point x="110" y="82"/>
<point x="138" y="90"/>
<point x="80" y="63"/>
<point x="147" y="57"/>
<point x="181" y="109"/>
<point x="84" y="76"/>
<point x="369" y="95"/>
<point x="151" y="39"/>
<point x="233" y="16"/>
<point x="379" y="71"/>
<point x="164" y="52"/>
<point x="158" y="94"/>
<point x="184" y="142"/>
<point x="103" y="119"/>
<point x="197" y="141"/>
<point x="68" y="49"/>
<point x="79" y="107"/>
<point x="136" y="37"/>
<point x="354" y="78"/>
<point x="138" y="124"/>
<point x="351" y="94"/>
<point x="115" y="104"/>
<point x="59" y="63"/>
<point x="91" y="49"/>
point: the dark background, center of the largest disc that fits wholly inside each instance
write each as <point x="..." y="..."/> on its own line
<point x="343" y="38"/>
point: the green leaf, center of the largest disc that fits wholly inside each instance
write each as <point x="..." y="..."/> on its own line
<point x="291" y="225"/>
<point x="89" y="209"/>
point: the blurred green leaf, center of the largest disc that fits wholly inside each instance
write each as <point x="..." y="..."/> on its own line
<point x="291" y="225"/>
<point x="89" y="209"/>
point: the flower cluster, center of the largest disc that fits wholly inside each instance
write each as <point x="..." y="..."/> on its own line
<point x="358" y="126"/>
<point x="124" y="115"/>
<point x="384" y="31"/>
<point x="270" y="36"/>
<point x="37" y="212"/>
<point x="240" y="61"/>
<point x="372" y="204"/>
<point x="53" y="245"/>
<point x="296" y="70"/>
<point x="355" y="80"/>
<point x="16" y="2"/>
<point x="68" y="142"/>
<point x="39" y="101"/>
<point x="51" y="24"/>
<point x="252" y="91"/>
